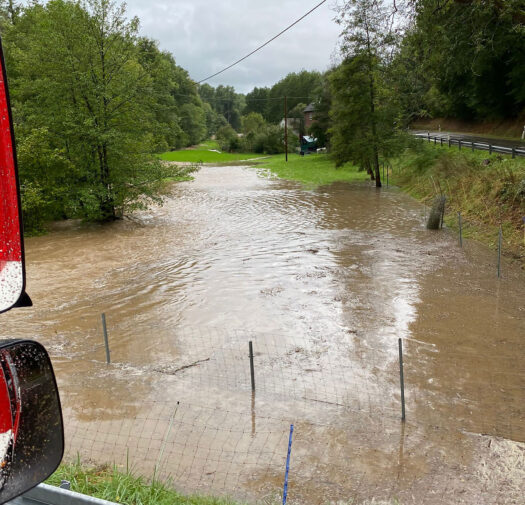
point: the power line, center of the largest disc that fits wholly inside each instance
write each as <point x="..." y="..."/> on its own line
<point x="245" y="99"/>
<point x="265" y="44"/>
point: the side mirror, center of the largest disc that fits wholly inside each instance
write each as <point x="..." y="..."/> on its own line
<point x="31" y="431"/>
<point x="12" y="266"/>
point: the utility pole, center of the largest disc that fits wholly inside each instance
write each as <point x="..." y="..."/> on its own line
<point x="285" y="129"/>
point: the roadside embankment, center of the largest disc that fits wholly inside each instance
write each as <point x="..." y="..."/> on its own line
<point x="489" y="191"/>
<point x="507" y="128"/>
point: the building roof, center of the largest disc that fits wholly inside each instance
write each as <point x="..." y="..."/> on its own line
<point x="309" y="108"/>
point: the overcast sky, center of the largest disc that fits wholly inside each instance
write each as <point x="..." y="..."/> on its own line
<point x="207" y="35"/>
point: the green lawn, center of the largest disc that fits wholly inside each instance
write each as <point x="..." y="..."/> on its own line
<point x="312" y="169"/>
<point x="204" y="156"/>
<point x="108" y="483"/>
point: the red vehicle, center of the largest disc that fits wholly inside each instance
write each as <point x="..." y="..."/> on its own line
<point x="10" y="407"/>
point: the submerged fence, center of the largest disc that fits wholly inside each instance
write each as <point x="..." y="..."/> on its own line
<point x="187" y="413"/>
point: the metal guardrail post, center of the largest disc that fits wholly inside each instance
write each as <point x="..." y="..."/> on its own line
<point x="514" y="151"/>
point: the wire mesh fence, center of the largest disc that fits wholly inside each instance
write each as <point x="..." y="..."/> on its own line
<point x="187" y="414"/>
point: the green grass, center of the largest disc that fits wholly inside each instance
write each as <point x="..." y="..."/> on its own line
<point x="209" y="144"/>
<point x="312" y="169"/>
<point x="108" y="483"/>
<point x="204" y="156"/>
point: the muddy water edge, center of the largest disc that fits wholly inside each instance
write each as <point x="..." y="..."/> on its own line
<point x="323" y="282"/>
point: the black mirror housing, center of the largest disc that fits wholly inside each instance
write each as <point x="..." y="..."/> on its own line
<point x="31" y="429"/>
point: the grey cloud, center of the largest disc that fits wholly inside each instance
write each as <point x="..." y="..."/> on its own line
<point x="205" y="36"/>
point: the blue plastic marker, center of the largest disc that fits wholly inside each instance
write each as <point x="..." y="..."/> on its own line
<point x="285" y="491"/>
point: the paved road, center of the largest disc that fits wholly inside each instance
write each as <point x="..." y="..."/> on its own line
<point x="471" y="137"/>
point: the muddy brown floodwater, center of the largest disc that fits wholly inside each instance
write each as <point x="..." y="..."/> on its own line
<point x="323" y="282"/>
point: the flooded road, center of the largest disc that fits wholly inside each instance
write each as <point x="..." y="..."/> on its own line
<point x="323" y="282"/>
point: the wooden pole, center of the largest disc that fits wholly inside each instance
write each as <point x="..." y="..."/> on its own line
<point x="285" y="129"/>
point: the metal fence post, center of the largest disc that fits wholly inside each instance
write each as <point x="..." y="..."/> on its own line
<point x="513" y="152"/>
<point x="252" y="370"/>
<point x="106" y="342"/>
<point x="472" y="146"/>
<point x="401" y="379"/>
<point x="285" y="489"/>
<point x="460" y="230"/>
<point x="490" y="148"/>
<point x="499" y="251"/>
<point x="459" y="144"/>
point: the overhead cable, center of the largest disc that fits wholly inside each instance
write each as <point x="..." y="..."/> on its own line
<point x="265" y="44"/>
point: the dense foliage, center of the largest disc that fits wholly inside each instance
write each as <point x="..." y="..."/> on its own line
<point x="225" y="103"/>
<point x="92" y="102"/>
<point x="464" y="59"/>
<point x="299" y="88"/>
<point x="431" y="58"/>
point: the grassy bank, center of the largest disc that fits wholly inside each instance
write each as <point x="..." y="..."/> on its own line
<point x="108" y="483"/>
<point x="312" y="170"/>
<point x="487" y="190"/>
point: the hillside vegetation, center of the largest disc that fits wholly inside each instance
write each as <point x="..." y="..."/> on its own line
<point x="489" y="191"/>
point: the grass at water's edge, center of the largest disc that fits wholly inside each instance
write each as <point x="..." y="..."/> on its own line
<point x="204" y="156"/>
<point x="489" y="191"/>
<point x="312" y="169"/>
<point x="109" y="483"/>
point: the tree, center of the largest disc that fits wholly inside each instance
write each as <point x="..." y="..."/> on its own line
<point x="363" y="111"/>
<point x="252" y="124"/>
<point x="227" y="138"/>
<point x="256" y="101"/>
<point x="79" y="88"/>
<point x="464" y="58"/>
<point x="298" y="87"/>
<point x="322" y="120"/>
<point x="224" y="101"/>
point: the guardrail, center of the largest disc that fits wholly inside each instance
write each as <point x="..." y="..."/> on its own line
<point x="466" y="144"/>
<point x="44" y="494"/>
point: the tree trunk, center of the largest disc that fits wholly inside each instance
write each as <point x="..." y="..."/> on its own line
<point x="372" y="112"/>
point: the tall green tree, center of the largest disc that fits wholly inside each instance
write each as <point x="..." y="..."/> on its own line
<point x="256" y="101"/>
<point x="225" y="102"/>
<point x="464" y="58"/>
<point x="298" y="87"/>
<point x="363" y="110"/>
<point x="79" y="88"/>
